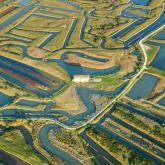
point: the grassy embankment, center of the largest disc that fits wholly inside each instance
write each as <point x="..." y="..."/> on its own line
<point x="33" y="127"/>
<point x="71" y="142"/>
<point x="152" y="52"/>
<point x="109" y="82"/>
<point x="142" y="123"/>
<point x="13" y="142"/>
<point x="130" y="136"/>
<point x="124" y="154"/>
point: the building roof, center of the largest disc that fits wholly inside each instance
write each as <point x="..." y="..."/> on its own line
<point x="81" y="76"/>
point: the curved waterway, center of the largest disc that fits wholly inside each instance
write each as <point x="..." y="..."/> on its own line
<point x="72" y="70"/>
<point x="51" y="148"/>
<point x="83" y="92"/>
<point x="79" y="70"/>
<point x="9" y="159"/>
<point x="69" y="68"/>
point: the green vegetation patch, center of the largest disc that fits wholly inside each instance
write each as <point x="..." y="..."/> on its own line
<point x="108" y="81"/>
<point x="14" y="143"/>
<point x="124" y="154"/>
<point x="69" y="141"/>
<point x="156" y="71"/>
<point x="149" y="126"/>
<point x="152" y="51"/>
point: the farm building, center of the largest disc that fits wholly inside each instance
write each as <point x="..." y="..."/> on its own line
<point x="81" y="78"/>
<point x="85" y="79"/>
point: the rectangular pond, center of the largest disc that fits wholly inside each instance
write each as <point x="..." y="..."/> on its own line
<point x="158" y="61"/>
<point x="162" y="101"/>
<point x="29" y="77"/>
<point x="143" y="87"/>
<point x="160" y="36"/>
<point x="5" y="99"/>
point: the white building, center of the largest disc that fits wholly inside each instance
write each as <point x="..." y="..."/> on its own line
<point x="85" y="79"/>
<point x="81" y="78"/>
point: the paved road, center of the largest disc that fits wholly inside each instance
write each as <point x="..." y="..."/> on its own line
<point x="133" y="80"/>
<point x="131" y="83"/>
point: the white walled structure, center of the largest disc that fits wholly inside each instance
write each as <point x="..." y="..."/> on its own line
<point x="85" y="79"/>
<point x="81" y="78"/>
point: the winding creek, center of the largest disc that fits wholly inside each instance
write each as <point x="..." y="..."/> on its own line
<point x="9" y="159"/>
<point x="83" y="92"/>
<point x="51" y="148"/>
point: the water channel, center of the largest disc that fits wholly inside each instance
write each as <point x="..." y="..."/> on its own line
<point x="72" y="70"/>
